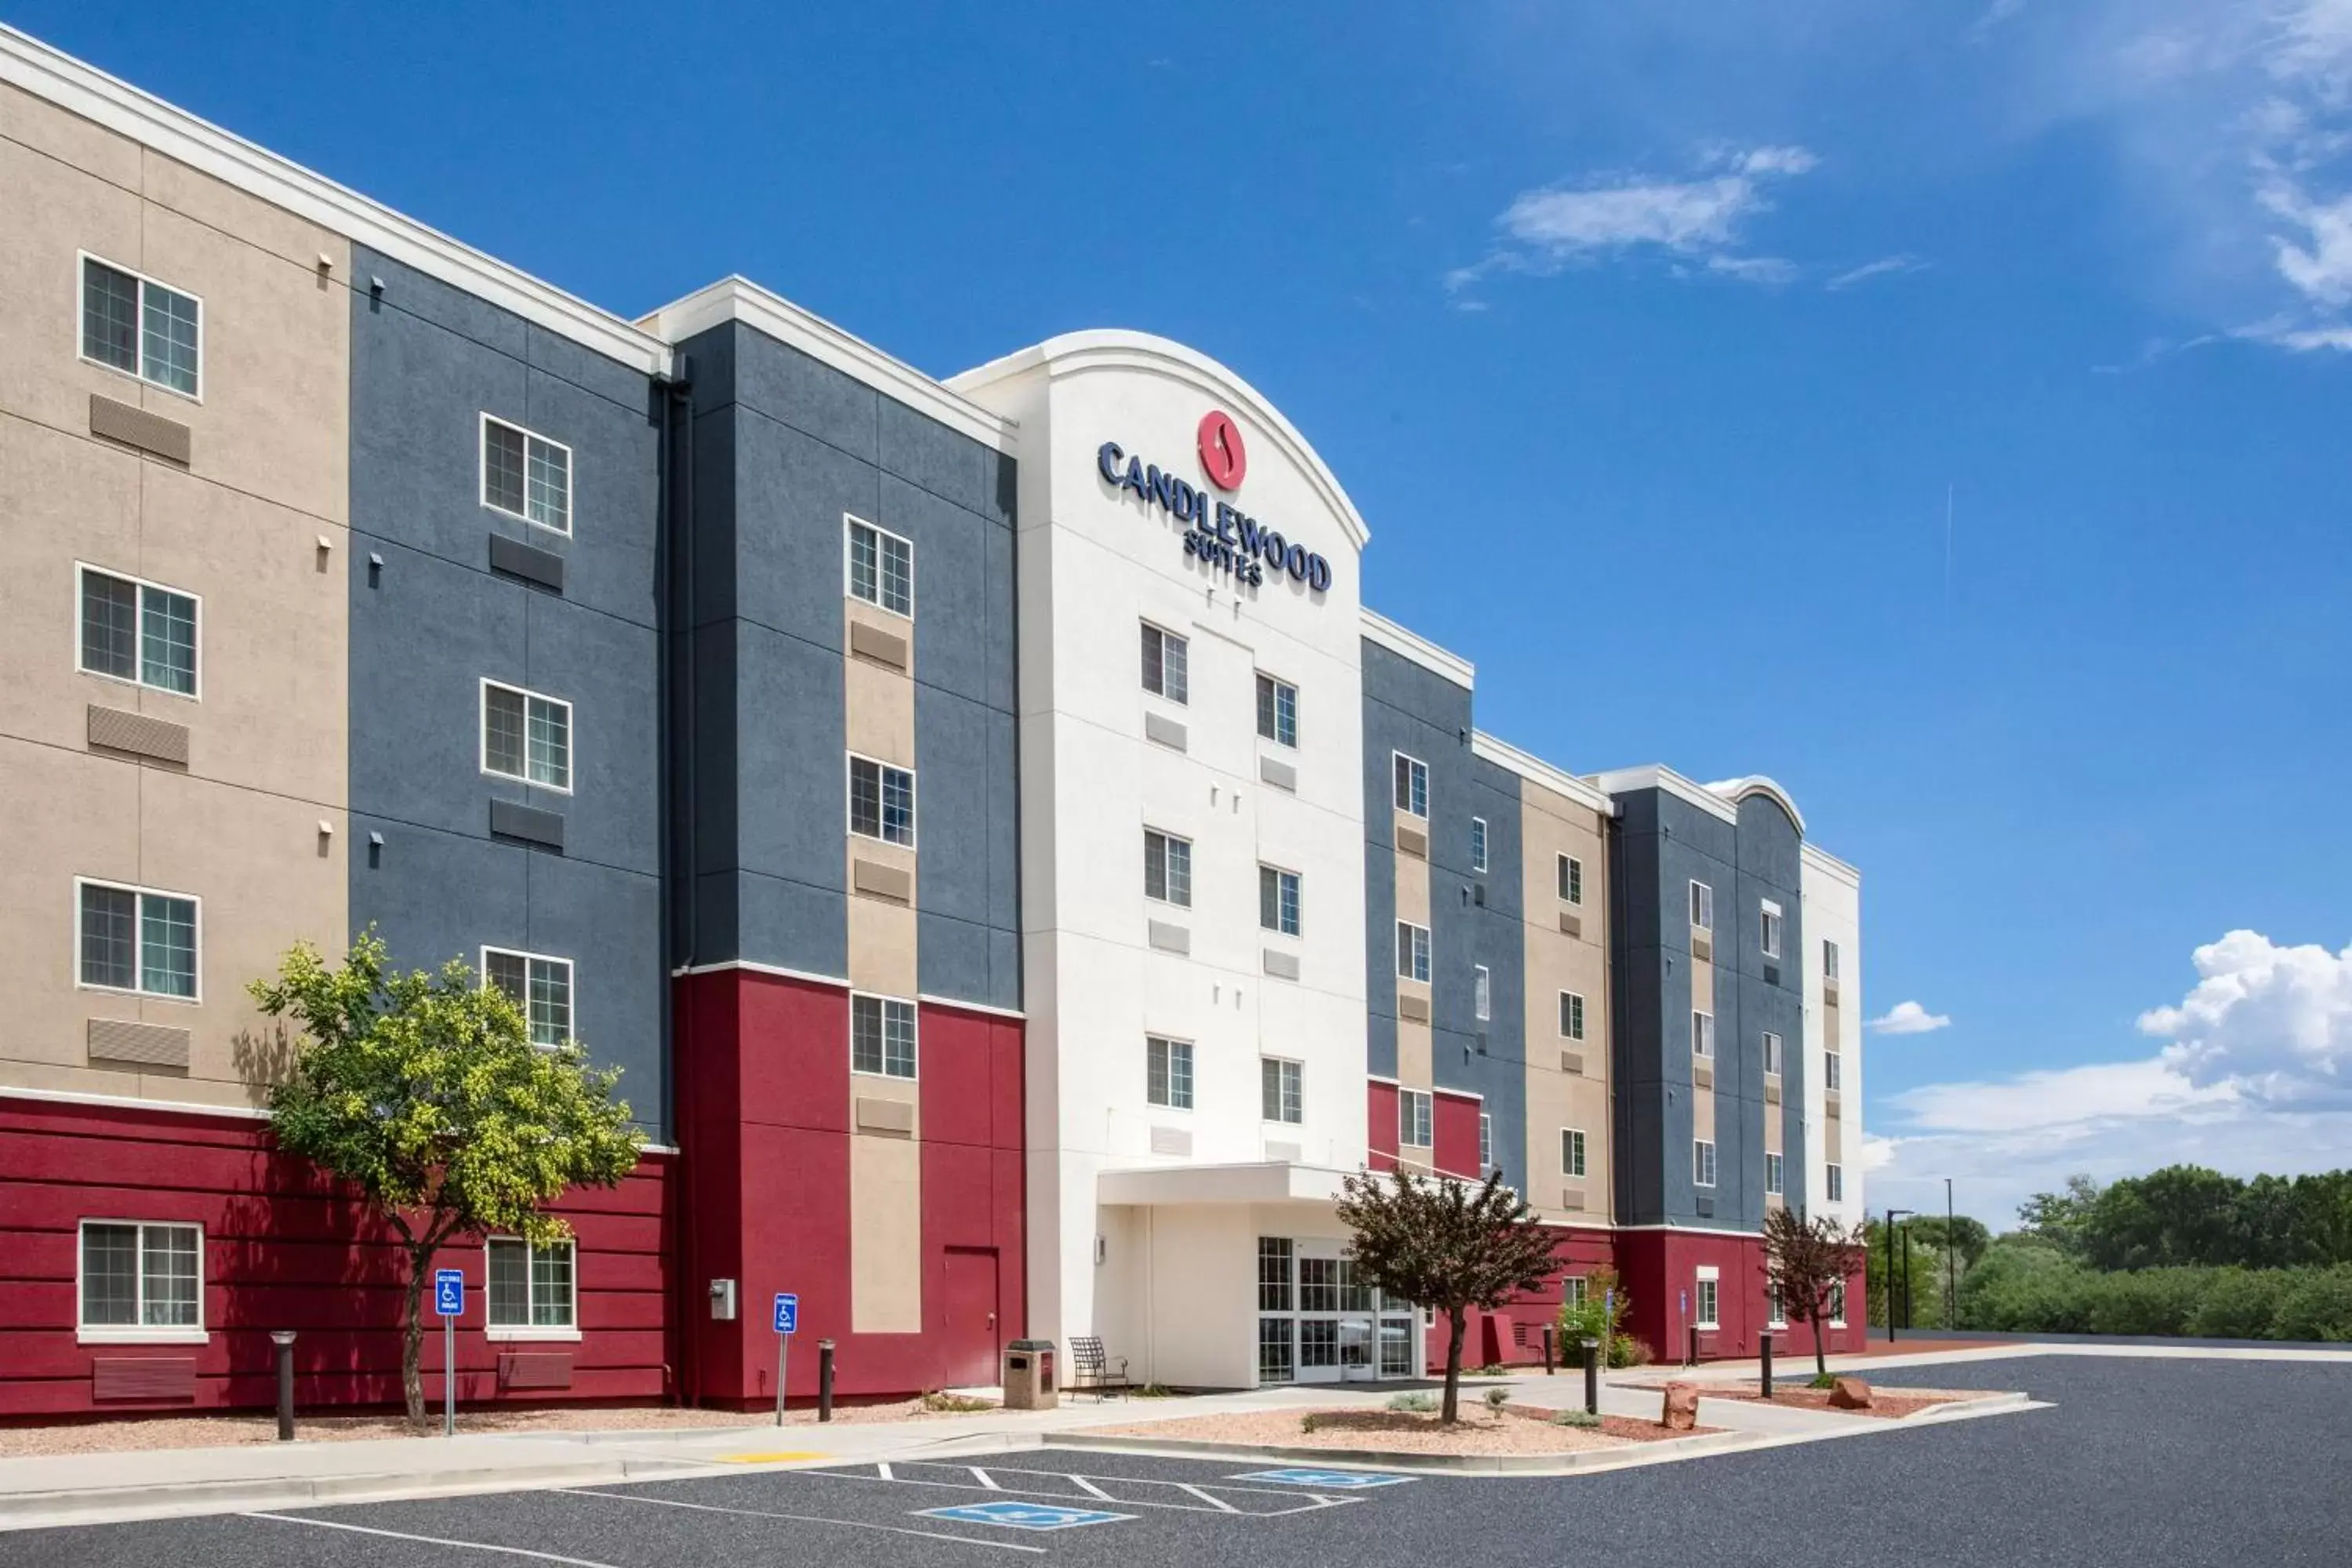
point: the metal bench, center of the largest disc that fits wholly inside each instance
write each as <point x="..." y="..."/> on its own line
<point x="1093" y="1372"/>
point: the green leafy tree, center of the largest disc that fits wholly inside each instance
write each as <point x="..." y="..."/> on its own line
<point x="1810" y="1259"/>
<point x="2179" y="1215"/>
<point x="1445" y="1244"/>
<point x="1905" y="1273"/>
<point x="1603" y="1315"/>
<point x="427" y="1094"/>
<point x="2059" y="1217"/>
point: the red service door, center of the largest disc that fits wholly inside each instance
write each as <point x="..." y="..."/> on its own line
<point x="970" y="1329"/>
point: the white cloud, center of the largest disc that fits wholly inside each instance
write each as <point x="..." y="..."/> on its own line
<point x="1698" y="220"/>
<point x="1909" y="1019"/>
<point x="1886" y="266"/>
<point x="2057" y="1098"/>
<point x="2274" y="1021"/>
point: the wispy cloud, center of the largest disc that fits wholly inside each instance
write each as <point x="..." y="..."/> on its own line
<point x="1698" y="220"/>
<point x="1885" y="267"/>
<point x="1909" y="1019"/>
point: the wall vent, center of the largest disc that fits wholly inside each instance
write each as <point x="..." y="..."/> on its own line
<point x="527" y="561"/>
<point x="512" y="819"/>
<point x="151" y="432"/>
<point x="114" y="730"/>
<point x="1163" y="731"/>
<point x="140" y="1045"/>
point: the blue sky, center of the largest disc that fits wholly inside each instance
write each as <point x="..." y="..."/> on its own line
<point x="1673" y="328"/>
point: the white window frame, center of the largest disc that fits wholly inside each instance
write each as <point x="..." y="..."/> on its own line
<point x="1776" y="1307"/>
<point x="1833" y="1183"/>
<point x="1416" y="1113"/>
<point x="1571" y="873"/>
<point x="1832" y="1073"/>
<point x="138" y="941"/>
<point x="849" y="800"/>
<point x="1297" y="901"/>
<point x="1415" y="961"/>
<point x="1702" y="902"/>
<point x="571" y="982"/>
<point x="1703" y="1155"/>
<point x="137" y="1333"/>
<point x="914" y="1011"/>
<point x="850" y="523"/>
<point x="1294" y="1071"/>
<point x="1478" y="845"/>
<point x="1167" y="881"/>
<point x="1572" y="1011"/>
<point x="1486" y="1143"/>
<point x="1828" y="959"/>
<point x="1280" y="685"/>
<point x="1775" y="1173"/>
<point x="1168" y="1076"/>
<point x="482" y="465"/>
<point x="1482" y="993"/>
<point x="513" y="1334"/>
<point x="84" y="568"/>
<point x="1183" y="699"/>
<point x="145" y="280"/>
<point x="1776" y="1054"/>
<point x="1701" y="1035"/>
<point x="570" y="736"/>
<point x="1837" y="1304"/>
<point x="1707" y="1298"/>
<point x="1421" y="771"/>
<point x="1573" y="1152"/>
<point x="1767" y="928"/>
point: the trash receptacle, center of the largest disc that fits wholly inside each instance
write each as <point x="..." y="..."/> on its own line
<point x="1028" y="1375"/>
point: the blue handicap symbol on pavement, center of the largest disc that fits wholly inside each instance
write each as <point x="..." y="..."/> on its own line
<point x="1023" y="1515"/>
<point x="1338" y="1480"/>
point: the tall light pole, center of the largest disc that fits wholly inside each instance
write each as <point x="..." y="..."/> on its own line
<point x="1887" y="1268"/>
<point x="1951" y="1269"/>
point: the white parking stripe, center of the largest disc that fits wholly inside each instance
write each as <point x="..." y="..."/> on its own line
<point x="791" y="1518"/>
<point x="430" y="1540"/>
<point x="1089" y="1486"/>
<point x="1204" y="1497"/>
<point x="983" y="1477"/>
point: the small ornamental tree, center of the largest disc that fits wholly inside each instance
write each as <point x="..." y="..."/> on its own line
<point x="427" y="1094"/>
<point x="1810" y="1260"/>
<point x="1445" y="1244"/>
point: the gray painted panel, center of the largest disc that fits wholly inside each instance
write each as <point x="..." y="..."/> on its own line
<point x="428" y="302"/>
<point x="814" y="398"/>
<point x="793" y="799"/>
<point x="407" y="895"/>
<point x="923" y="451"/>
<point x="793" y="925"/>
<point x="951" y="958"/>
<point x="594" y="916"/>
<point x="605" y="669"/>
<point x="1379" y="959"/>
<point x="791" y="493"/>
<point x="954" y="807"/>
<point x="952" y="586"/>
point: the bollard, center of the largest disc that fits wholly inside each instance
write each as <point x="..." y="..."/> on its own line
<point x="1694" y="1346"/>
<point x="1592" y="1376"/>
<point x="1768" y="1364"/>
<point x="825" y="1380"/>
<point x="284" y="1340"/>
<point x="1547" y="1350"/>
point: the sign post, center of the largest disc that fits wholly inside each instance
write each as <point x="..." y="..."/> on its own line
<point x="449" y="1305"/>
<point x="788" y="1323"/>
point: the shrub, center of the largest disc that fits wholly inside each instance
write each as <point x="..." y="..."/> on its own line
<point x="1492" y="1368"/>
<point x="1311" y="1421"/>
<point x="1582" y="1418"/>
<point x="1413" y="1403"/>
<point x="2154" y="1301"/>
<point x="1497" y="1398"/>
<point x="2315" y="1304"/>
<point x="1626" y="1350"/>
<point x="2237" y="1304"/>
<point x="1823" y="1382"/>
<point x="954" y="1404"/>
<point x="1155" y="1391"/>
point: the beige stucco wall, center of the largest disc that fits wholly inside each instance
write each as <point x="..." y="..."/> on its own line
<point x="240" y="527"/>
<point x="1552" y="825"/>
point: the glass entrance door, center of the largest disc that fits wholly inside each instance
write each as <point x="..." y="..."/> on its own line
<point x="1317" y="1323"/>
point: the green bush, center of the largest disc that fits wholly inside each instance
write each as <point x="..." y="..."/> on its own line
<point x="2316" y="1304"/>
<point x="2153" y="1301"/>
<point x="1415" y="1403"/>
<point x="1823" y="1382"/>
<point x="1583" y="1418"/>
<point x="1497" y="1398"/>
<point x="1311" y="1421"/>
<point x="1625" y="1351"/>
<point x="2033" y="1289"/>
<point x="2237" y="1304"/>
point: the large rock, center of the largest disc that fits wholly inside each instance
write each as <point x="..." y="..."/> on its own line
<point x="1849" y="1393"/>
<point x="1681" y="1407"/>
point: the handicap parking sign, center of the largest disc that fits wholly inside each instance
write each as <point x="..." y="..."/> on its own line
<point x="1334" y="1480"/>
<point x="448" y="1293"/>
<point x="1012" y="1515"/>
<point x="788" y="1313"/>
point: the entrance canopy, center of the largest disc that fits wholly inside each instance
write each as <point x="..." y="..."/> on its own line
<point x="1262" y="1182"/>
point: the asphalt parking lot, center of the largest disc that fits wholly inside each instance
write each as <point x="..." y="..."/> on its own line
<point x="2141" y="1462"/>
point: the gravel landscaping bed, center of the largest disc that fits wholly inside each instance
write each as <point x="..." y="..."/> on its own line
<point x="1891" y="1403"/>
<point x="224" y="1430"/>
<point x="1516" y="1429"/>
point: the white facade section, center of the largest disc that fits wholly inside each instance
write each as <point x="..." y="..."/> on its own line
<point x="1166" y="1274"/>
<point x="1832" y="894"/>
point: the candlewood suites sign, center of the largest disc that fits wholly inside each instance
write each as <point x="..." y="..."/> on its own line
<point x="1216" y="532"/>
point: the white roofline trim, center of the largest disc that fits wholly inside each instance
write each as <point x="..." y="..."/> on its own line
<point x="1015" y="1013"/>
<point x="82" y="89"/>
<point x="133" y="1102"/>
<point x="1535" y="770"/>
<point x="1419" y="649"/>
<point x="738" y="298"/>
<point x="1658" y="776"/>
<point x="1111" y="348"/>
<point x="1757" y="783"/>
<point x="748" y="967"/>
<point x="1820" y="860"/>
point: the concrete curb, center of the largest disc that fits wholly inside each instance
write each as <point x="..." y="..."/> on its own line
<point x="1664" y="1450"/>
<point x="109" y="1505"/>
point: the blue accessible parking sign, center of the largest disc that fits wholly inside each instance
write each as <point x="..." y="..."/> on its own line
<point x="448" y="1293"/>
<point x="1334" y="1480"/>
<point x="788" y="1313"/>
<point x="1013" y="1515"/>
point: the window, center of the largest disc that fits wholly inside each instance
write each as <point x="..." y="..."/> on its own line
<point x="1571" y="1016"/>
<point x="137" y="326"/>
<point x="1278" y="900"/>
<point x="881" y="568"/>
<point x="1776" y="1315"/>
<point x="531" y="1287"/>
<point x="1771" y="1053"/>
<point x="138" y="632"/>
<point x="526" y="736"/>
<point x="1831" y="1077"/>
<point x="526" y="476"/>
<point x="1703" y="1035"/>
<point x="1571" y="879"/>
<point x="1163" y="663"/>
<point x="1837" y="1304"/>
<point x="1277" y="710"/>
<point x="542" y="987"/>
<point x="881" y="802"/>
<point x="1701" y="901"/>
<point x="1168" y="1072"/>
<point x="1412" y="784"/>
<point x="142" y="1281"/>
<point x="1274" y="1256"/>
<point x="1482" y="993"/>
<point x="1709" y="1283"/>
<point x="1413" y="1118"/>
<point x="1702" y="1162"/>
<point x="1318" y="1285"/>
<point x="136" y="939"/>
<point x="1768" y="928"/>
<point x="1279" y="1090"/>
<point x="1571" y="1152"/>
<point x="1478" y="844"/>
<point x="1573" y="1291"/>
<point x="1166" y="867"/>
<point x="1486" y="1143"/>
<point x="1412" y="952"/>
<point x="1836" y="1184"/>
<point x="1829" y="961"/>
<point x="1772" y="1173"/>
<point x="881" y="1036"/>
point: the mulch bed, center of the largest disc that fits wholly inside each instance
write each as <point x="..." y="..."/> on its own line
<point x="1891" y="1403"/>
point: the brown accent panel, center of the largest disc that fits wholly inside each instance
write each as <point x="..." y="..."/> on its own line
<point x="1702" y="945"/>
<point x="146" y="1045"/>
<point x="112" y="730"/>
<point x="873" y="878"/>
<point x="883" y="647"/>
<point x="151" y="432"/>
<point x="1412" y="1009"/>
<point x="1832" y="1104"/>
<point x="1573" y="1063"/>
<point x="144" y="1380"/>
<point x="1828" y="993"/>
<point x="1772" y="1095"/>
<point x="1702" y="1074"/>
<point x="535" y="1369"/>
<point x="1413" y="841"/>
<point x="1570" y="925"/>
<point x="886" y="1115"/>
<point x="1572" y="1198"/>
